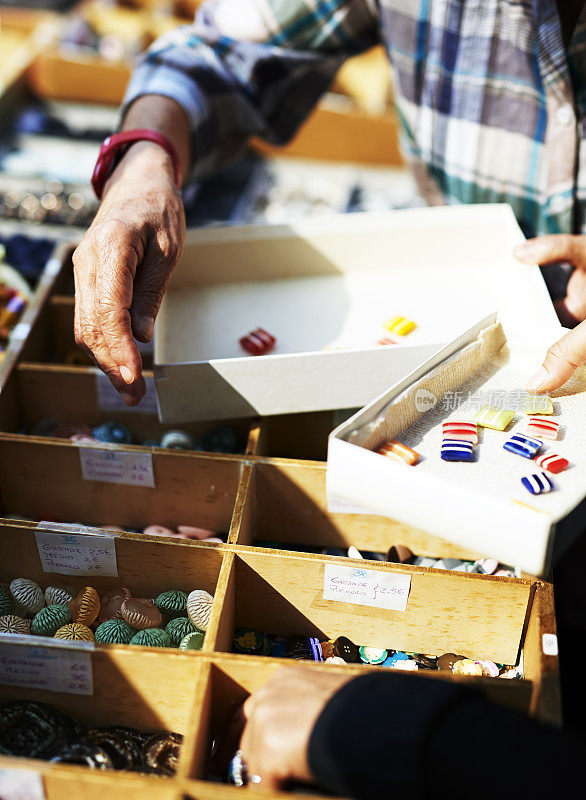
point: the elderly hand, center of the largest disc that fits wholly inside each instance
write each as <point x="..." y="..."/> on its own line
<point x="124" y="262"/>
<point x="280" y="718"/>
<point x="569" y="352"/>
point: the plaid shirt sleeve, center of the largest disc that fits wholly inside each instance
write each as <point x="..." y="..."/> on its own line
<point x="249" y="67"/>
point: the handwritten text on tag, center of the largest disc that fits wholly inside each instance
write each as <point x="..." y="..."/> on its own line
<point x="21" y="784"/>
<point x="115" y="466"/>
<point x="77" y="553"/>
<point x="366" y="587"/>
<point x="46" y="667"/>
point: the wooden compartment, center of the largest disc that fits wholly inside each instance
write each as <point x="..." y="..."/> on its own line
<point x="303" y="436"/>
<point x="473" y="615"/>
<point x="146" y="566"/>
<point x="41" y="479"/>
<point x="285" y="501"/>
<point x="72" y="394"/>
<point x="150" y="691"/>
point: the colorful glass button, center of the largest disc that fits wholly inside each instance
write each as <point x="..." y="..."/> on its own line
<point x="373" y="655"/>
<point x="537" y="483"/>
<point x="543" y="428"/>
<point x="552" y="462"/>
<point x="384" y="341"/>
<point x="539" y="404"/>
<point x="495" y="418"/>
<point x="257" y="342"/>
<point x="467" y="667"/>
<point x="400" y="325"/>
<point x="315" y="648"/>
<point x="522" y="445"/>
<point x="457" y="450"/>
<point x="465" y="431"/>
<point x="399" y="452"/>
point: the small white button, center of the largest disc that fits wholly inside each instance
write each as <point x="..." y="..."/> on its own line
<point x="565" y="115"/>
<point x="557" y="204"/>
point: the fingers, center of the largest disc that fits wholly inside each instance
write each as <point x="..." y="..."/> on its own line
<point x="553" y="249"/>
<point x="104" y="267"/>
<point x="152" y="277"/>
<point x="561" y="361"/>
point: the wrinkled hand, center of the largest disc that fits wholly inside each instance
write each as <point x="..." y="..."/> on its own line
<point x="569" y="352"/>
<point x="280" y="717"/>
<point x="124" y="262"/>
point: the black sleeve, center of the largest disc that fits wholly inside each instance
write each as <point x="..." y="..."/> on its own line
<point x="387" y="733"/>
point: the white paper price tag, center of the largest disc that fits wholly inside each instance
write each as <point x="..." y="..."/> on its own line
<point x="20" y="784"/>
<point x="117" y="466"/>
<point x="366" y="587"/>
<point x="110" y="400"/>
<point x="51" y="665"/>
<point x="77" y="553"/>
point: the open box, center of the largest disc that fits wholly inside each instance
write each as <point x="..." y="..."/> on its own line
<point x="324" y="288"/>
<point x="481" y="505"/>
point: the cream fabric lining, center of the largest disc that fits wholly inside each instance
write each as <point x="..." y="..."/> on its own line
<point x="447" y="377"/>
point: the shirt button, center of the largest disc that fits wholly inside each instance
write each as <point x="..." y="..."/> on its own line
<point x="565" y="115"/>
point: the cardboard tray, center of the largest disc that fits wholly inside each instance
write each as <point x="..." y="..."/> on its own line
<point x="480" y="505"/>
<point x="324" y="288"/>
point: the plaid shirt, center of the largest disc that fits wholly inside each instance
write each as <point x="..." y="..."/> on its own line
<point x="490" y="101"/>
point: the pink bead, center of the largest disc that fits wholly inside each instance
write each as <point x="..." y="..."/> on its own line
<point x="214" y="539"/>
<point x="489" y="565"/>
<point x="543" y="427"/>
<point x="159" y="530"/>
<point x="257" y="342"/>
<point x="189" y="532"/>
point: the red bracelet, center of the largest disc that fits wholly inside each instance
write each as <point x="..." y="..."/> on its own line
<point x="114" y="147"/>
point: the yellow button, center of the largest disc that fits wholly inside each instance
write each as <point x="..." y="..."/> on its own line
<point x="495" y="418"/>
<point x="400" y="325"/>
<point x="539" y="404"/>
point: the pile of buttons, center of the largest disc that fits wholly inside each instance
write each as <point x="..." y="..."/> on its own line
<point x="172" y="619"/>
<point x="343" y="651"/>
<point x="460" y="438"/>
<point x="37" y="730"/>
<point x="219" y="439"/>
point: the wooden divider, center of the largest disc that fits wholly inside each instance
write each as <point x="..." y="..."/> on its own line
<point x="41" y="479"/>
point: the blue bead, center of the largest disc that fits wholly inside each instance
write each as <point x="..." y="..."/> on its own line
<point x="522" y="445"/>
<point x="113" y="433"/>
<point x="222" y="439"/>
<point x="392" y="660"/>
<point x="457" y="450"/>
<point x="537" y="483"/>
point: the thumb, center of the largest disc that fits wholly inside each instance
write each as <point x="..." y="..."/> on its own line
<point x="553" y="249"/>
<point x="150" y="283"/>
<point x="561" y="360"/>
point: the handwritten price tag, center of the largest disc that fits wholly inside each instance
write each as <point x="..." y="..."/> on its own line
<point x="59" y="666"/>
<point x="366" y="587"/>
<point x="110" y="400"/>
<point x="21" y="784"/>
<point x="77" y="553"/>
<point x="116" y="466"/>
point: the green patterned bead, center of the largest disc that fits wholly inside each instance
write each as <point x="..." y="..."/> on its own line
<point x="172" y="603"/>
<point x="193" y="641"/>
<point x="114" y="631"/>
<point x="152" y="637"/>
<point x="49" y="619"/>
<point x="5" y="603"/>
<point x="178" y="629"/>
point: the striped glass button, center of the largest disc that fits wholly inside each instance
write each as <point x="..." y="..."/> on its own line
<point x="400" y="325"/>
<point x="552" y="462"/>
<point x="457" y="450"/>
<point x="522" y="445"/>
<point x="543" y="428"/>
<point x="465" y="431"/>
<point x="399" y="452"/>
<point x="539" y="404"/>
<point x="496" y="418"/>
<point x="537" y="483"/>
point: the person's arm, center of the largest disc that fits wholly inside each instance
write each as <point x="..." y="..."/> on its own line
<point x="387" y="733"/>
<point x="244" y="67"/>
<point x="569" y="353"/>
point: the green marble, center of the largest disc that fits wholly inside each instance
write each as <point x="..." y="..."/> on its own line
<point x="49" y="619"/>
<point x="193" y="641"/>
<point x="114" y="631"/>
<point x="178" y="629"/>
<point x="152" y="637"/>
<point x="5" y="603"/>
<point x="172" y="603"/>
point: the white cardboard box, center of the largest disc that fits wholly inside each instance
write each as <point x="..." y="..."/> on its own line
<point x="481" y="506"/>
<point x="324" y="287"/>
